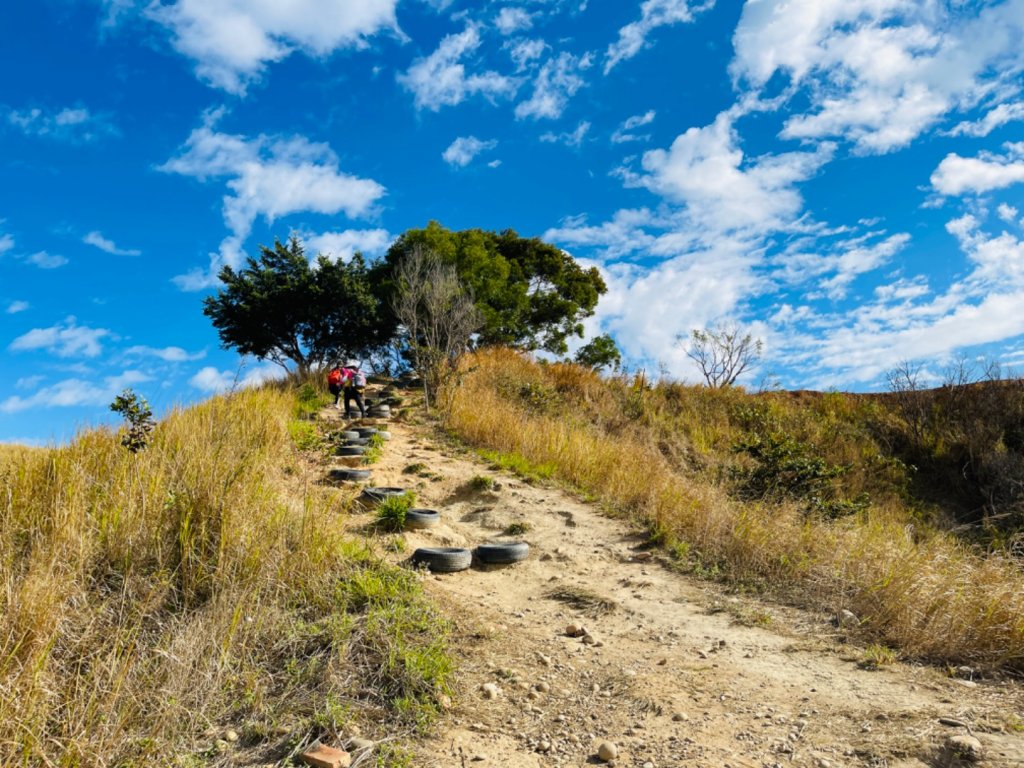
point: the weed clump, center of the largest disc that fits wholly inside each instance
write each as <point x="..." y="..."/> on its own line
<point x="391" y="511"/>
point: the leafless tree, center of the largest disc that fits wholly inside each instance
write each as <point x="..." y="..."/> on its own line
<point x="438" y="315"/>
<point x="723" y="353"/>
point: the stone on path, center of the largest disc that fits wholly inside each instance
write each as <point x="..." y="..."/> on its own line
<point x="607" y="751"/>
<point x="322" y="756"/>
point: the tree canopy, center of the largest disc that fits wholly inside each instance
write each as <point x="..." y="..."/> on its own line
<point x="530" y="294"/>
<point x="282" y="308"/>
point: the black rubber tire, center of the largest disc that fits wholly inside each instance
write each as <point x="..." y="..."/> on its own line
<point x="502" y="552"/>
<point x="351" y="450"/>
<point x="349" y="434"/>
<point x="358" y="441"/>
<point x="378" y="494"/>
<point x="384" y="434"/>
<point x="422" y="518"/>
<point x="443" y="559"/>
<point x="366" y="431"/>
<point x="349" y="475"/>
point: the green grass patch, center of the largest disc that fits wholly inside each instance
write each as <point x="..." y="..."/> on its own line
<point x="304" y="435"/>
<point x="519" y="465"/>
<point x="392" y="511"/>
<point x="374" y="450"/>
<point x="517" y="529"/>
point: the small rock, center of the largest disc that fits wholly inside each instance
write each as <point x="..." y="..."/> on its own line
<point x="648" y="764"/>
<point x="321" y="756"/>
<point x="545" y="746"/>
<point x="221" y="746"/>
<point x="444" y="701"/>
<point x="360" y="745"/>
<point x="847" y="618"/>
<point x="543" y="687"/>
<point x="607" y="751"/>
<point x="662" y="662"/>
<point x="965" y="748"/>
<point x="574" y="630"/>
<point x="680" y="717"/>
<point x="641" y="557"/>
<point x="589" y="639"/>
<point x="490" y="690"/>
<point x="231" y="736"/>
<point x="545" y="660"/>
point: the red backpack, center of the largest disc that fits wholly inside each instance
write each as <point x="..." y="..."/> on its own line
<point x="334" y="378"/>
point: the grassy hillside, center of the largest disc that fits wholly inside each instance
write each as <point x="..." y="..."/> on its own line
<point x="148" y="602"/>
<point x="806" y="495"/>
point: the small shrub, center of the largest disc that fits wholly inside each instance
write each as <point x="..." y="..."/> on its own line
<point x="416" y="468"/>
<point x="304" y="434"/>
<point x="876" y="656"/>
<point x="392" y="511"/>
<point x="482" y="483"/>
<point x="308" y="401"/>
<point x="517" y="529"/>
<point x="137" y="414"/>
<point x="374" y="450"/>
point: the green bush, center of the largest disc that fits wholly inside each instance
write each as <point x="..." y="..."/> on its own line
<point x="391" y="512"/>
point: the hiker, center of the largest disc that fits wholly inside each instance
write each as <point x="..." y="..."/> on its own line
<point x="335" y="380"/>
<point x="354" y="382"/>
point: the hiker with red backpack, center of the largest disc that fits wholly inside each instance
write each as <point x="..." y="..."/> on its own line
<point x="353" y="383"/>
<point x="335" y="383"/>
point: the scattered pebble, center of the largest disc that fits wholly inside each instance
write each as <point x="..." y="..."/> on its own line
<point x="607" y="751"/>
<point x="490" y="690"/>
<point x="543" y="687"/>
<point x="231" y="736"/>
<point x="965" y="747"/>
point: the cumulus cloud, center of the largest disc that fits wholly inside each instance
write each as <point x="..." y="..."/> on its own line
<point x="233" y="41"/>
<point x="511" y="20"/>
<point x="999" y="116"/>
<point x="167" y="354"/>
<point x="99" y="241"/>
<point x="556" y="82"/>
<point x="6" y="243"/>
<point x="75" y="124"/>
<point x="213" y="380"/>
<point x="878" y="72"/>
<point x="624" y="132"/>
<point x="75" y="392"/>
<point x="653" y="14"/>
<point x="464" y="149"/>
<point x="706" y="170"/>
<point x="1007" y="213"/>
<point x="839" y="265"/>
<point x="958" y="175"/>
<point x="524" y="52"/>
<point x="269" y="177"/>
<point x="571" y="138"/>
<point x="343" y="245"/>
<point x="17" y="306"/>
<point x="440" y="79"/>
<point x="45" y="260"/>
<point x="67" y="339"/>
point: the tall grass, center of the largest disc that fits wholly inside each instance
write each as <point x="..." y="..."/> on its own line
<point x="145" y="598"/>
<point x="661" y="456"/>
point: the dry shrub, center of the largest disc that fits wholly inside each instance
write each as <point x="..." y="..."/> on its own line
<point x="917" y="589"/>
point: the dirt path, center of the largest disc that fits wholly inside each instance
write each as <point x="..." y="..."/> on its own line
<point x="682" y="674"/>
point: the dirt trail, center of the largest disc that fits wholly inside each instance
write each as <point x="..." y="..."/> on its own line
<point x="683" y="674"/>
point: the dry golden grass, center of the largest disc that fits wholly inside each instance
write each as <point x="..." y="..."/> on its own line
<point x="144" y="598"/>
<point x="917" y="589"/>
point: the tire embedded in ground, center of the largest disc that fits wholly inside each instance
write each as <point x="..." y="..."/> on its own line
<point x="351" y="450"/>
<point x="366" y="431"/>
<point x="443" y="559"/>
<point x="384" y="435"/>
<point x="422" y="518"/>
<point x="348" y="475"/>
<point x="349" y="434"/>
<point x="378" y="494"/>
<point x="357" y="441"/>
<point x="502" y="552"/>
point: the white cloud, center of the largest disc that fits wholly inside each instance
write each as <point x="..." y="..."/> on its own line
<point x="622" y="133"/>
<point x="233" y="41"/>
<point x="97" y="239"/>
<point x="878" y="72"/>
<point x="167" y="354"/>
<point x="844" y="263"/>
<point x="958" y="175"/>
<point x="29" y="382"/>
<point x="63" y="340"/>
<point x="17" y="306"/>
<point x="75" y="392"/>
<point x="74" y="124"/>
<point x="267" y="176"/>
<point x="511" y="20"/>
<point x="45" y="260"/>
<point x="461" y="152"/>
<point x="210" y="379"/>
<point x="625" y="235"/>
<point x="570" y="139"/>
<point x="994" y="118"/>
<point x="6" y="243"/>
<point x="653" y="14"/>
<point x="440" y="79"/>
<point x="1007" y="213"/>
<point x="706" y="170"/>
<point x="343" y="245"/>
<point x="556" y="82"/>
<point x="524" y="52"/>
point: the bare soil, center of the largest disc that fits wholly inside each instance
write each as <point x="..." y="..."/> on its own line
<point x="682" y="672"/>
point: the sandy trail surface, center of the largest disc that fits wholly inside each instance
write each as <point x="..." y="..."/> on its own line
<point x="681" y="672"/>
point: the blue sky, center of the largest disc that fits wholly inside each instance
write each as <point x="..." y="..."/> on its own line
<point x="842" y="177"/>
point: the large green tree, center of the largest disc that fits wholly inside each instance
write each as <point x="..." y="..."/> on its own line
<point x="529" y="293"/>
<point x="282" y="308"/>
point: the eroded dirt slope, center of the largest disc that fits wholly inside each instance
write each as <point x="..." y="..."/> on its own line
<point x="682" y="674"/>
